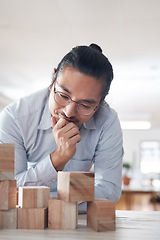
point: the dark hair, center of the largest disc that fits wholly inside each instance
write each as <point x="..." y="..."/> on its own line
<point x="89" y="61"/>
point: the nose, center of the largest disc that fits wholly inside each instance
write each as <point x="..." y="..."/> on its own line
<point x="70" y="110"/>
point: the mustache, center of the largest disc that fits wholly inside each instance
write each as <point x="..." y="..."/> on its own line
<point x="62" y="115"/>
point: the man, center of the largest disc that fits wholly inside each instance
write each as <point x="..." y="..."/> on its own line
<point x="68" y="126"/>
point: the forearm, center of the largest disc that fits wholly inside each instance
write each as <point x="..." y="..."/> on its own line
<point x="108" y="191"/>
<point x="43" y="173"/>
<point x="108" y="165"/>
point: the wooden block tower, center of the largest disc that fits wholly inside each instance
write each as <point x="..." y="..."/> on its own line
<point x="8" y="190"/>
<point x="71" y="188"/>
<point x="33" y="207"/>
<point x="79" y="186"/>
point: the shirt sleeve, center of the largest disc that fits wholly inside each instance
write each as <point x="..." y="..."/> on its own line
<point x="36" y="174"/>
<point x="108" y="162"/>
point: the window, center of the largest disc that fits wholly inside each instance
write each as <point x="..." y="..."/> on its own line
<point x="150" y="157"/>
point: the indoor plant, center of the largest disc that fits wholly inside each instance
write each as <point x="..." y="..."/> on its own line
<point x="126" y="178"/>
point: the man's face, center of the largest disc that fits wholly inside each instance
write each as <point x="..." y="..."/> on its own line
<point x="80" y="88"/>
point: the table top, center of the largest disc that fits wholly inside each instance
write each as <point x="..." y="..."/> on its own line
<point x="129" y="225"/>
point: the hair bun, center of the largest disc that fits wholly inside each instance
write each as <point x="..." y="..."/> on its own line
<point x="95" y="46"/>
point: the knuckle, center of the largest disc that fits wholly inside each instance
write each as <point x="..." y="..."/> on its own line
<point x="78" y="138"/>
<point x="68" y="144"/>
<point x="58" y="134"/>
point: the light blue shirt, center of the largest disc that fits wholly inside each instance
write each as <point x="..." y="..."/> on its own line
<point x="27" y="123"/>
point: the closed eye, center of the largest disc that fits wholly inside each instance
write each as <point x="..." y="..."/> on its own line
<point x="64" y="96"/>
<point x="87" y="106"/>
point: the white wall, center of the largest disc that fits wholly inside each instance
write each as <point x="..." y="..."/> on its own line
<point x="132" y="140"/>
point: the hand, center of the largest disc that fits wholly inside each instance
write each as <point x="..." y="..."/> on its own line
<point x="66" y="135"/>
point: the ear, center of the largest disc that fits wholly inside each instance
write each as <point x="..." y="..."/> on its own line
<point x="53" y="76"/>
<point x="54" y="71"/>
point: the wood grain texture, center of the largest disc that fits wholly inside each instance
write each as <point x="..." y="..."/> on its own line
<point x="62" y="215"/>
<point x="8" y="219"/>
<point x="33" y="197"/>
<point x="130" y="225"/>
<point x="101" y="215"/>
<point x="8" y="194"/>
<point x="7" y="157"/>
<point x="32" y="218"/>
<point x="75" y="186"/>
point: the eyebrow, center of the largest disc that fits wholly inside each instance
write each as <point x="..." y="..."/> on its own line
<point x="64" y="88"/>
<point x="91" y="101"/>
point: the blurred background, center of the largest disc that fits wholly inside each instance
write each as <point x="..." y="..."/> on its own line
<point x="36" y="34"/>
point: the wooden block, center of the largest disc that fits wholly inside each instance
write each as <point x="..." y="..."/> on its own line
<point x="8" y="219"/>
<point x="75" y="186"/>
<point x="6" y="176"/>
<point x="8" y="195"/>
<point x="101" y="215"/>
<point x="7" y="157"/>
<point x="32" y="218"/>
<point x="33" y="196"/>
<point x="62" y="215"/>
<point x="102" y="224"/>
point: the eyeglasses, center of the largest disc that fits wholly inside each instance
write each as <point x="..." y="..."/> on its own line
<point x="82" y="107"/>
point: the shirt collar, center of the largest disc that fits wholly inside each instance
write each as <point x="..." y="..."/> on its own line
<point x="45" y="122"/>
<point x="90" y="124"/>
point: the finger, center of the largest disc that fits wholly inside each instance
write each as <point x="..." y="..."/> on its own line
<point x="75" y="139"/>
<point x="61" y="123"/>
<point x="69" y="126"/>
<point x="72" y="132"/>
<point x="53" y="121"/>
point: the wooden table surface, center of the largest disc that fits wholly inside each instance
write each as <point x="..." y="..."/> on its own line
<point x="129" y="225"/>
<point x="140" y="188"/>
<point x="138" y="197"/>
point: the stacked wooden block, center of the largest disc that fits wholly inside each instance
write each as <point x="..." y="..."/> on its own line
<point x="33" y="207"/>
<point x="36" y="210"/>
<point x="8" y="190"/>
<point x="73" y="187"/>
<point x="31" y="212"/>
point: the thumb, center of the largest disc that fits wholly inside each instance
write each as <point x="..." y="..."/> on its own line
<point x="53" y="121"/>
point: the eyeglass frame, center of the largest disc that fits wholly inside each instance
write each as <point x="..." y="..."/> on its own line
<point x="77" y="103"/>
